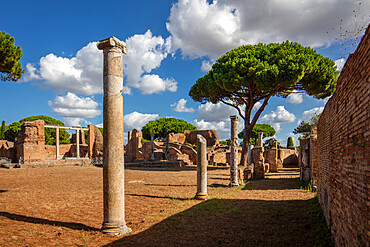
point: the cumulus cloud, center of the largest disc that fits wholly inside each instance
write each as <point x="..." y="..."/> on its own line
<point x="210" y="28"/>
<point x="216" y="112"/>
<point x="277" y="117"/>
<point x="312" y="112"/>
<point x="80" y="74"/>
<point x="150" y="84"/>
<point x="340" y="63"/>
<point x="295" y="98"/>
<point x="146" y="53"/>
<point x="180" y="106"/>
<point x="217" y="117"/>
<point x="74" y="109"/>
<point x="136" y="120"/>
<point x="206" y="66"/>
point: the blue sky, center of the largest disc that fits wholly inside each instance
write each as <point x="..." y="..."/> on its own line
<point x="170" y="45"/>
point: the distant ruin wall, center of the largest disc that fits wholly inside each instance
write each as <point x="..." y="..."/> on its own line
<point x="343" y="152"/>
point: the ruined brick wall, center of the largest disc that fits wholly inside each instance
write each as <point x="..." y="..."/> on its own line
<point x="343" y="159"/>
<point x="288" y="156"/>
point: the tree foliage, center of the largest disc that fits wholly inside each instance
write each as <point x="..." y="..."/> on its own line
<point x="270" y="143"/>
<point x="306" y="128"/>
<point x="267" y="130"/>
<point x="10" y="67"/>
<point x="164" y="126"/>
<point x="13" y="129"/>
<point x="290" y="142"/>
<point x="303" y="128"/>
<point x="2" y="130"/>
<point x="253" y="73"/>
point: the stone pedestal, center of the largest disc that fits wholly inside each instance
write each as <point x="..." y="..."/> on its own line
<point x="201" y="168"/>
<point x="113" y="158"/>
<point x="258" y="161"/>
<point x="234" y="181"/>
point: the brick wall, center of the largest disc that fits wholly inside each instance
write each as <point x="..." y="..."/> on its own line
<point x="343" y="171"/>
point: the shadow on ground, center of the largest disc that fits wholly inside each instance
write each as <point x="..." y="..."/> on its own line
<point x="272" y="184"/>
<point x="33" y="220"/>
<point x="229" y="222"/>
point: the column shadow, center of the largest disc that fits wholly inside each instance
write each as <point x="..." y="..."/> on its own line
<point x="230" y="222"/>
<point x="34" y="220"/>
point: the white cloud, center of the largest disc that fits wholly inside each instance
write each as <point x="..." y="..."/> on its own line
<point x="136" y="120"/>
<point x="74" y="109"/>
<point x="217" y="117"/>
<point x="256" y="106"/>
<point x="145" y="53"/>
<point x="206" y="66"/>
<point x="312" y="112"/>
<point x="180" y="106"/>
<point x="277" y="117"/>
<point x="150" y="84"/>
<point x="340" y="63"/>
<point x="216" y="112"/>
<point x="203" y="28"/>
<point x="295" y="98"/>
<point x="80" y="74"/>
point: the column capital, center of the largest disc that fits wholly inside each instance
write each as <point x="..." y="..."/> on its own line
<point x="234" y="117"/>
<point x="112" y="42"/>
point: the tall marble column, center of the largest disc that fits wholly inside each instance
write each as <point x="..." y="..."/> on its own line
<point x="113" y="156"/>
<point x="78" y="143"/>
<point x="201" y="168"/>
<point x="234" y="181"/>
<point x="57" y="143"/>
<point x="167" y="147"/>
<point x="152" y="146"/>
<point x="260" y="141"/>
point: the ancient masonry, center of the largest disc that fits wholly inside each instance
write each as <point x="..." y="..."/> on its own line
<point x="113" y="158"/>
<point x="341" y="167"/>
<point x="234" y="181"/>
<point x="201" y="168"/>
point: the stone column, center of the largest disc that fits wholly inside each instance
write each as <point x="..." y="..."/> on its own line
<point x="234" y="181"/>
<point x="167" y="148"/>
<point x="113" y="156"/>
<point x="249" y="158"/>
<point x="78" y="143"/>
<point x="152" y="146"/>
<point x="57" y="143"/>
<point x="201" y="168"/>
<point x="260" y="137"/>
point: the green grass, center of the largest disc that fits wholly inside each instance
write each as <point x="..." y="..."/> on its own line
<point x="320" y="231"/>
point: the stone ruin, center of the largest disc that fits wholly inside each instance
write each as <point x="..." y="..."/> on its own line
<point x="177" y="148"/>
<point x="180" y="152"/>
<point x="30" y="145"/>
<point x="272" y="160"/>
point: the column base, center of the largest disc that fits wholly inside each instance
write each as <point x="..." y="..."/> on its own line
<point x="201" y="196"/>
<point x="234" y="184"/>
<point x="112" y="229"/>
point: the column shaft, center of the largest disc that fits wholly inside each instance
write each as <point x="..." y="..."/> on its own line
<point x="234" y="181"/>
<point x="57" y="143"/>
<point x="78" y="143"/>
<point x="113" y="154"/>
<point x="201" y="168"/>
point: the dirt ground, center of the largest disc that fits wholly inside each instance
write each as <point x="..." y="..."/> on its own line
<point x="63" y="206"/>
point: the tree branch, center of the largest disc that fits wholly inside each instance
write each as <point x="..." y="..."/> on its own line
<point x="227" y="103"/>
